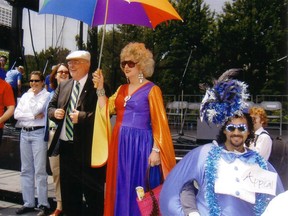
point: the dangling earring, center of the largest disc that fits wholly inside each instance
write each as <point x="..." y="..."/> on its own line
<point x="128" y="81"/>
<point x="140" y="77"/>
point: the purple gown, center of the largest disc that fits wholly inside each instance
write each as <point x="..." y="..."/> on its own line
<point x="130" y="151"/>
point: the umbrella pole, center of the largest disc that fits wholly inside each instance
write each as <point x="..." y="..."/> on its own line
<point x="97" y="161"/>
<point x="103" y="34"/>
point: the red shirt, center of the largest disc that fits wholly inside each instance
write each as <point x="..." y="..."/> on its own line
<point x="6" y="97"/>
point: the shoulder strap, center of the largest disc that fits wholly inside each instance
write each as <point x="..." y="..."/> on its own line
<point x="266" y="132"/>
<point x="263" y="132"/>
<point x="255" y="140"/>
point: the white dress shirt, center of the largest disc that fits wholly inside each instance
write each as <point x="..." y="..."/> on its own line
<point x="263" y="144"/>
<point x="29" y="106"/>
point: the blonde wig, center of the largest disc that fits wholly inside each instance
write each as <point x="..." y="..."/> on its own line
<point x="138" y="53"/>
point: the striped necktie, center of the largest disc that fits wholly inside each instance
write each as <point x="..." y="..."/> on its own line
<point x="72" y="105"/>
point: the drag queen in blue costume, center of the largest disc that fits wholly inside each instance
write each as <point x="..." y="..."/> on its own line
<point x="216" y="169"/>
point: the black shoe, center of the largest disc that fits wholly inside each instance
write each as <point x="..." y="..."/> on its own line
<point x="43" y="210"/>
<point x="24" y="210"/>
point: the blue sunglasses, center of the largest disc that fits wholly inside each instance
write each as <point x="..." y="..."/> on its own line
<point x="232" y="127"/>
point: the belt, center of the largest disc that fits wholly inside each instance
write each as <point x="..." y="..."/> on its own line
<point x="32" y="128"/>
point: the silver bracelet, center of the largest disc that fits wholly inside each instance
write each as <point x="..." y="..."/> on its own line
<point x="100" y="92"/>
<point x="156" y="149"/>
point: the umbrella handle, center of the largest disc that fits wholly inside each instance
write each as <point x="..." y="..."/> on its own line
<point x="103" y="34"/>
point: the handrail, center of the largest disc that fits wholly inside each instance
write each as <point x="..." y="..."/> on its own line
<point x="256" y="99"/>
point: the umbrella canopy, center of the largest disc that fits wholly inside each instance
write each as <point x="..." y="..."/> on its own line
<point x="147" y="13"/>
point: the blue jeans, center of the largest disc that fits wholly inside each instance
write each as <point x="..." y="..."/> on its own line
<point x="33" y="151"/>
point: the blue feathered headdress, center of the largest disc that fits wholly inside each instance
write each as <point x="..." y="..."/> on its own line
<point x="226" y="99"/>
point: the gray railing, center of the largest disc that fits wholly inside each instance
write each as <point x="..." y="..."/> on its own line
<point x="283" y="99"/>
<point x="256" y="99"/>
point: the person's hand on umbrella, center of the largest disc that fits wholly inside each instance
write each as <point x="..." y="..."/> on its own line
<point x="98" y="79"/>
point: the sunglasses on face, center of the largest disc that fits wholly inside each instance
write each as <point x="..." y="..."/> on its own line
<point x="63" y="72"/>
<point x="232" y="127"/>
<point x="130" y="64"/>
<point x="34" y="81"/>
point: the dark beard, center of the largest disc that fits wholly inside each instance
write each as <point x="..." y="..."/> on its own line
<point x="239" y="146"/>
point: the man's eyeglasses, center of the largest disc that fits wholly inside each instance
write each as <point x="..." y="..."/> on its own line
<point x="74" y="62"/>
<point x="232" y="127"/>
<point x="130" y="64"/>
<point x="34" y="81"/>
<point x="63" y="72"/>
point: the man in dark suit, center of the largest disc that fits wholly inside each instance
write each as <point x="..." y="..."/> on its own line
<point x="72" y="108"/>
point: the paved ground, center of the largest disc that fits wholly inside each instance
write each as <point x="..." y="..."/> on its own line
<point x="8" y="209"/>
<point x="10" y="190"/>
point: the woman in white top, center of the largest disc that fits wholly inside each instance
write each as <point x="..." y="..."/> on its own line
<point x="262" y="142"/>
<point x="30" y="113"/>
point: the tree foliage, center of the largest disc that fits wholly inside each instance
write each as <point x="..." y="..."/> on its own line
<point x="175" y="42"/>
<point x="252" y="35"/>
<point x="47" y="58"/>
<point x="249" y="34"/>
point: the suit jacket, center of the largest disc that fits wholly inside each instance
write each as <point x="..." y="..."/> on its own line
<point x="83" y="130"/>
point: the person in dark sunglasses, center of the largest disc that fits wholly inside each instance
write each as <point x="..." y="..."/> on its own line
<point x="141" y="136"/>
<point x="31" y="116"/>
<point x="222" y="178"/>
<point x="235" y="133"/>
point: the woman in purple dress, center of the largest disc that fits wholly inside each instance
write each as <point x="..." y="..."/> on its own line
<point x="141" y="135"/>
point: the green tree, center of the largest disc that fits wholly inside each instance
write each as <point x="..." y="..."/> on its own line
<point x="47" y="58"/>
<point x="92" y="47"/>
<point x="174" y="43"/>
<point x="252" y="35"/>
<point x="249" y="34"/>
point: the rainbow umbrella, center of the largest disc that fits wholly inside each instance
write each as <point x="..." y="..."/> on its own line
<point x="147" y="13"/>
